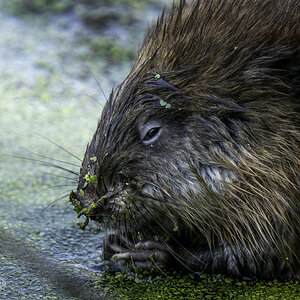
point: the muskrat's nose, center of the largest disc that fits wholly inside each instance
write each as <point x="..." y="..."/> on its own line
<point x="72" y="196"/>
<point x="76" y="199"/>
<point x="75" y="196"/>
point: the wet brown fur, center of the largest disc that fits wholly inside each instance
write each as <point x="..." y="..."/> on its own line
<point x="226" y="166"/>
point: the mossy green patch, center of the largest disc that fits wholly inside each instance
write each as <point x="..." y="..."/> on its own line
<point x="176" y="286"/>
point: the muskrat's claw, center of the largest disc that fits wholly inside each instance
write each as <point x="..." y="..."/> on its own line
<point x="146" y="256"/>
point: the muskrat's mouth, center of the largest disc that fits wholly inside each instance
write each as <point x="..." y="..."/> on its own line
<point x="101" y="209"/>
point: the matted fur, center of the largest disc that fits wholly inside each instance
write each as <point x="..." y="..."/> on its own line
<point x="220" y="79"/>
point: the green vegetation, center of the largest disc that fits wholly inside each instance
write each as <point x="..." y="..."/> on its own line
<point x="165" y="104"/>
<point x="176" y="286"/>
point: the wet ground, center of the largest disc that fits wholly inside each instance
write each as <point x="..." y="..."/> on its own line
<point x="49" y="90"/>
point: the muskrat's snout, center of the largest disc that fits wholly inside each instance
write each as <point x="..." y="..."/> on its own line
<point x="80" y="200"/>
<point x="96" y="202"/>
<point x="88" y="206"/>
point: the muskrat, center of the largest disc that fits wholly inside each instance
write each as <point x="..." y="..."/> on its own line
<point x="195" y="160"/>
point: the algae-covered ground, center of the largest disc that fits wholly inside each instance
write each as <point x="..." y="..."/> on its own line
<point x="54" y="57"/>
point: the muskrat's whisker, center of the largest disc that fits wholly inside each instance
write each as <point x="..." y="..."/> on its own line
<point x="61" y="196"/>
<point x="61" y="185"/>
<point x="45" y="163"/>
<point x="140" y="229"/>
<point x="98" y="83"/>
<point x="75" y="179"/>
<point x="66" y="208"/>
<point x="168" y="233"/>
<point x="124" y="231"/>
<point x="58" y="146"/>
<point x="95" y="100"/>
<point x="59" y="168"/>
<point x="54" y="187"/>
<point x="132" y="220"/>
<point x="52" y="159"/>
<point x="108" y="225"/>
<point x="165" y="242"/>
<point x="163" y="201"/>
<point x="117" y="217"/>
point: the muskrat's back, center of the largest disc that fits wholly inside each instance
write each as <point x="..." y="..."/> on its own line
<point x="196" y="154"/>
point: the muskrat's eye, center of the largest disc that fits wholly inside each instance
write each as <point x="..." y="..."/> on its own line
<point x="150" y="131"/>
<point x="151" y="135"/>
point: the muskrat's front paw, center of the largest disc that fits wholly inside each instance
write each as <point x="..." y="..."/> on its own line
<point x="146" y="256"/>
<point x="113" y="244"/>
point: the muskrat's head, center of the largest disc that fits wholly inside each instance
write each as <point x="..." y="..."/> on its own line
<point x="157" y="162"/>
<point x="139" y="172"/>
